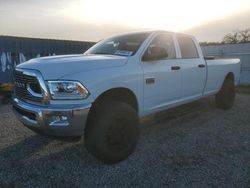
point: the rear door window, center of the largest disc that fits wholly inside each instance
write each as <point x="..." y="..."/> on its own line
<point x="187" y="47"/>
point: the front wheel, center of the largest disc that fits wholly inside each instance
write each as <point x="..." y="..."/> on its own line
<point x="226" y="96"/>
<point x="112" y="133"/>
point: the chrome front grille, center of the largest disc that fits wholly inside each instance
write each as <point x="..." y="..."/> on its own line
<point x="27" y="87"/>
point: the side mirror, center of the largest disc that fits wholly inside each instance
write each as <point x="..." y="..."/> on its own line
<point x="155" y="53"/>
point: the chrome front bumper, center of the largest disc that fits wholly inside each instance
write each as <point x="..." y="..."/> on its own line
<point x="67" y="120"/>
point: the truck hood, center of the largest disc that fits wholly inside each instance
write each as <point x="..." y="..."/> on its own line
<point x="56" y="67"/>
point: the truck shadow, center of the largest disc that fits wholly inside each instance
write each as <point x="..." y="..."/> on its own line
<point x="24" y="149"/>
<point x="177" y="112"/>
<point x="27" y="147"/>
<point x="33" y="155"/>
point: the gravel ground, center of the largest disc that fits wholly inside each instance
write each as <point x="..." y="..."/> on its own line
<point x="196" y="145"/>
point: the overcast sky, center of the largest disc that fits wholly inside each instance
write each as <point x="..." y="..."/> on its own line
<point x="92" y="20"/>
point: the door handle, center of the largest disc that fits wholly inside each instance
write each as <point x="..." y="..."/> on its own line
<point x="175" y="67"/>
<point x="150" y="80"/>
<point x="201" y="65"/>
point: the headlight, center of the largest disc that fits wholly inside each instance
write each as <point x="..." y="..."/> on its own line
<point x="67" y="90"/>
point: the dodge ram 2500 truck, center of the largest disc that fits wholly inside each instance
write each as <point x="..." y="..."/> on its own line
<point x="103" y="93"/>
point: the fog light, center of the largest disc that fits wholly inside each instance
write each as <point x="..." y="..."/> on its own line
<point x="55" y="118"/>
<point x="58" y="120"/>
<point x="64" y="118"/>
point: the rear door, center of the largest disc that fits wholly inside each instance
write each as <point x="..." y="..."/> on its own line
<point x="162" y="77"/>
<point x="193" y="68"/>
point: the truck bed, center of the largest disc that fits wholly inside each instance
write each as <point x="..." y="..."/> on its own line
<point x="217" y="69"/>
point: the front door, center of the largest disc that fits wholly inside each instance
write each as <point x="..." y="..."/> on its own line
<point x="162" y="74"/>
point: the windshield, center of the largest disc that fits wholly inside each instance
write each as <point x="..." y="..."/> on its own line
<point x="125" y="45"/>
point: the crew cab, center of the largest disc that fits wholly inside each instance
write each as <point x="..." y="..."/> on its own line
<point x="103" y="93"/>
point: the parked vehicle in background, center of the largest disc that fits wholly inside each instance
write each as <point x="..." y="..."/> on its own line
<point x="103" y="93"/>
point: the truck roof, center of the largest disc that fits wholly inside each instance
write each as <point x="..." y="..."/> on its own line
<point x="155" y="31"/>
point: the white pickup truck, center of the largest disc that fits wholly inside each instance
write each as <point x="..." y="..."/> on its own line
<point x="103" y="93"/>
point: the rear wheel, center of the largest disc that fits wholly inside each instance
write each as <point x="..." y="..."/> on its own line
<point x="112" y="132"/>
<point x="226" y="96"/>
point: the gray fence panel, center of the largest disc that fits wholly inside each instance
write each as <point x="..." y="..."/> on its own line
<point x="241" y="51"/>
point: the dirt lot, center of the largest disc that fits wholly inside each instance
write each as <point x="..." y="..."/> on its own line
<point x="195" y="145"/>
